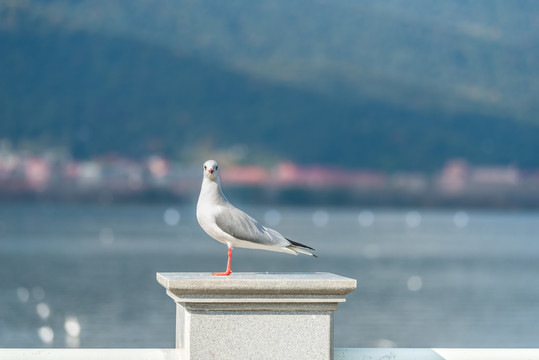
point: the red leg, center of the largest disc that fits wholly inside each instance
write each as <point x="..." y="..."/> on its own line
<point x="228" y="271"/>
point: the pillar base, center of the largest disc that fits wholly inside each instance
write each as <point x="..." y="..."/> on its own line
<point x="255" y="315"/>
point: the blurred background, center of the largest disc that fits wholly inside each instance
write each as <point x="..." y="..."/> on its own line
<point x="398" y="138"/>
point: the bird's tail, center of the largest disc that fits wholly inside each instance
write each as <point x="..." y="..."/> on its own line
<point x="300" y="248"/>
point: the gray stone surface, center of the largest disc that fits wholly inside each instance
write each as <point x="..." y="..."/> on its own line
<point x="255" y="315"/>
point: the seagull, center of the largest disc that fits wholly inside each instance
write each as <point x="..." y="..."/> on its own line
<point x="229" y="225"/>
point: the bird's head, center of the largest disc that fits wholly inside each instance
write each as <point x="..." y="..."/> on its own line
<point x="211" y="169"/>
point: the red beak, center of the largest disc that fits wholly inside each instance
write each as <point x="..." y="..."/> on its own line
<point x="210" y="171"/>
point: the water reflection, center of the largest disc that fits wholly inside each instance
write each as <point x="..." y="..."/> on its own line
<point x="461" y="219"/>
<point x="385" y="343"/>
<point x="46" y="334"/>
<point x="414" y="283"/>
<point x="413" y="219"/>
<point x="23" y="294"/>
<point x="272" y="217"/>
<point x="365" y="218"/>
<point x="72" y="342"/>
<point x="72" y="326"/>
<point x="320" y="218"/>
<point x="171" y="217"/>
<point x="43" y="310"/>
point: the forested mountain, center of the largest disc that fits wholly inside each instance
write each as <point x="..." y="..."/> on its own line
<point x="350" y="83"/>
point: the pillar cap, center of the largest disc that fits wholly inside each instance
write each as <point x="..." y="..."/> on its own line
<point x="250" y="283"/>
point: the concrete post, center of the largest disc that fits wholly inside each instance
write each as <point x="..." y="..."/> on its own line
<point x="255" y="315"/>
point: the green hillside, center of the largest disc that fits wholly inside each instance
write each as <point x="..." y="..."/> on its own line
<point x="117" y="91"/>
<point x="480" y="56"/>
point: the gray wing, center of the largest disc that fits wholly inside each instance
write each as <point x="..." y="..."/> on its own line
<point x="235" y="222"/>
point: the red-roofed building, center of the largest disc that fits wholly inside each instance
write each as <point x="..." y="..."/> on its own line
<point x="245" y="175"/>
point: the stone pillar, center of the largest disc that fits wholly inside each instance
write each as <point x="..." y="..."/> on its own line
<point x="255" y="315"/>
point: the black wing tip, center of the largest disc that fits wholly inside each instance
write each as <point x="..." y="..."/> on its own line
<point x="295" y="243"/>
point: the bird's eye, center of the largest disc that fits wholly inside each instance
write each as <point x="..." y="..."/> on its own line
<point x="204" y="167"/>
<point x="217" y="167"/>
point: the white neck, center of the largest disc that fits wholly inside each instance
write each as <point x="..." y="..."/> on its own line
<point x="211" y="191"/>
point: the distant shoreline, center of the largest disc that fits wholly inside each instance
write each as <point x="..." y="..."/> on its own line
<point x="294" y="197"/>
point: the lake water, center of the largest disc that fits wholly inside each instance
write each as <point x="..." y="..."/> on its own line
<point x="82" y="275"/>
